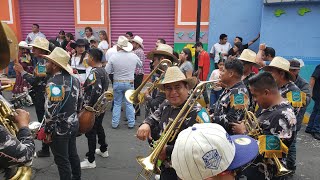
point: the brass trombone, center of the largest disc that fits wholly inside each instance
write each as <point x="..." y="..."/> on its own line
<point x="136" y="96"/>
<point x="254" y="130"/>
<point x="149" y="164"/>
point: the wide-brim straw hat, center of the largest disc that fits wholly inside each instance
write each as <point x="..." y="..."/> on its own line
<point x="249" y="56"/>
<point x="23" y="44"/>
<point x="139" y="40"/>
<point x="280" y="63"/>
<point x="163" y="49"/>
<point x="61" y="58"/>
<point x="41" y="43"/>
<point x="174" y="74"/>
<point x="124" y="44"/>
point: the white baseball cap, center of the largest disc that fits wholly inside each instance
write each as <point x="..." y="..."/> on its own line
<point x="206" y="150"/>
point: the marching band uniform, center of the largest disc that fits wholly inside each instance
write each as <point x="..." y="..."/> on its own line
<point x="95" y="85"/>
<point x="62" y="104"/>
<point x="231" y="105"/>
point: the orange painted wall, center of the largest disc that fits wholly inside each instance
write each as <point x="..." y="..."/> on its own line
<point x="5" y="16"/>
<point x="189" y="13"/>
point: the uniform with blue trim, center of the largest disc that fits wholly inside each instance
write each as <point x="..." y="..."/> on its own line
<point x="94" y="86"/>
<point x="231" y="106"/>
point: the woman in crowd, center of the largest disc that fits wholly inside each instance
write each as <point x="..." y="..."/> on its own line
<point x="61" y="40"/>
<point x="235" y="51"/>
<point x="78" y="60"/>
<point x="69" y="41"/>
<point x="186" y="62"/>
<point x="104" y="41"/>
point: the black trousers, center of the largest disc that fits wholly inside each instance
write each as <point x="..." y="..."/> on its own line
<point x="38" y="101"/>
<point x="97" y="130"/>
<point x="64" y="150"/>
<point x="138" y="78"/>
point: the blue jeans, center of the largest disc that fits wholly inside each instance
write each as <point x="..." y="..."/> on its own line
<point x="119" y="88"/>
<point x="214" y="96"/>
<point x="314" y="121"/>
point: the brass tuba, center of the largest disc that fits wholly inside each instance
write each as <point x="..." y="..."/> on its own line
<point x="88" y="114"/>
<point x="254" y="130"/>
<point x="149" y="164"/>
<point x="136" y="96"/>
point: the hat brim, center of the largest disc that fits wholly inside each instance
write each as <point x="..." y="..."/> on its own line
<point x="141" y="45"/>
<point x="192" y="82"/>
<point x="33" y="45"/>
<point x="68" y="68"/>
<point x="151" y="54"/>
<point x="25" y="47"/>
<point x="245" y="152"/>
<point x="128" y="48"/>
<point x="267" y="68"/>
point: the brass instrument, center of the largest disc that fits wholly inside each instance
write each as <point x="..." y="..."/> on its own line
<point x="136" y="96"/>
<point x="254" y="130"/>
<point x="6" y="120"/>
<point x="88" y="114"/>
<point x="149" y="164"/>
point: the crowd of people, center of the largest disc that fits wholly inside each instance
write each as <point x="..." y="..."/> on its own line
<point x="66" y="75"/>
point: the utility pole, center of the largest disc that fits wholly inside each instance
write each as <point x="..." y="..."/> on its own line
<point x="197" y="32"/>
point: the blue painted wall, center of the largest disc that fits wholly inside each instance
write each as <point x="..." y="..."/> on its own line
<point x="234" y="18"/>
<point x="292" y="35"/>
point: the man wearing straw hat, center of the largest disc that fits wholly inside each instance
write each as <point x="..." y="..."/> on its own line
<point x="38" y="81"/>
<point x="248" y="59"/>
<point x="230" y="107"/>
<point x="280" y="70"/>
<point x="122" y="64"/>
<point x="139" y="72"/>
<point x="176" y="87"/>
<point x="61" y="119"/>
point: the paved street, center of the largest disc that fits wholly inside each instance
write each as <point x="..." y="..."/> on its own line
<point x="124" y="147"/>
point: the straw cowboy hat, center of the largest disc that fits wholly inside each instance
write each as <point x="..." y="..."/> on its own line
<point x="163" y="49"/>
<point x="138" y="40"/>
<point x="174" y="74"/>
<point x="280" y="63"/>
<point x="41" y="43"/>
<point x="61" y="58"/>
<point x="23" y="44"/>
<point x="248" y="55"/>
<point x="124" y="44"/>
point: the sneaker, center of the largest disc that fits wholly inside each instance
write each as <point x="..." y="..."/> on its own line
<point x="43" y="153"/>
<point x="87" y="165"/>
<point x="157" y="177"/>
<point x="102" y="154"/>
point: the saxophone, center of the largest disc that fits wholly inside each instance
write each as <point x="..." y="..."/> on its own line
<point x="6" y="120"/>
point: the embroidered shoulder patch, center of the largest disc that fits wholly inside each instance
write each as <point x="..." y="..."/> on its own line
<point x="297" y="98"/>
<point x="239" y="101"/>
<point x="212" y="159"/>
<point x="203" y="116"/>
<point x="40" y="70"/>
<point x="55" y="92"/>
<point x="92" y="78"/>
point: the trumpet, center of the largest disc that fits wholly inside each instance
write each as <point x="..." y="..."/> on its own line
<point x="254" y="130"/>
<point x="136" y="96"/>
<point x="149" y="164"/>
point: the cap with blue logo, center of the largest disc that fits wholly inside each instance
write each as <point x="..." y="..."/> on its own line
<point x="206" y="150"/>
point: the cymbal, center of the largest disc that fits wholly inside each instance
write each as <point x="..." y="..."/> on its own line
<point x="4" y="48"/>
<point x="13" y="41"/>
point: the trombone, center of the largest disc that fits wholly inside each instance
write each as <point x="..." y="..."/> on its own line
<point x="149" y="164"/>
<point x="136" y="96"/>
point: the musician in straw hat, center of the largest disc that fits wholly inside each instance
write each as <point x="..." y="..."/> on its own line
<point x="280" y="70"/>
<point x="38" y="81"/>
<point x="123" y="64"/>
<point x="277" y="119"/>
<point x="176" y="87"/>
<point x="61" y="119"/>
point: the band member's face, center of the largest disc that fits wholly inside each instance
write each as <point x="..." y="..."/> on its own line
<point x="262" y="97"/>
<point x="156" y="60"/>
<point x="90" y="60"/>
<point x="135" y="45"/>
<point x="225" y="75"/>
<point x="176" y="93"/>
<point x="37" y="52"/>
<point x="80" y="49"/>
<point x="49" y="67"/>
<point x="295" y="71"/>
